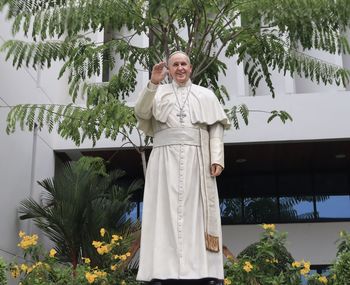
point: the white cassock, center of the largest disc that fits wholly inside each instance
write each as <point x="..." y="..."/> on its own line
<point x="181" y="217"/>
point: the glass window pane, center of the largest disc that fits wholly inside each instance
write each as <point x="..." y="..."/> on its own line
<point x="141" y="208"/>
<point x="294" y="184"/>
<point x="231" y="210"/>
<point x="132" y="214"/>
<point x="331" y="183"/>
<point x="333" y="206"/>
<point x="296" y="208"/>
<point x="259" y="186"/>
<point x="260" y="210"/>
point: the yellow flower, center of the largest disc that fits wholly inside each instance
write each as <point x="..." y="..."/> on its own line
<point x="28" y="241"/>
<point x="128" y="254"/>
<point x="100" y="274"/>
<point x="15" y="272"/>
<point x="96" y="244"/>
<point x="296" y="264"/>
<point x="227" y="281"/>
<point x="307" y="265"/>
<point x="90" y="277"/>
<point x="86" y="260"/>
<point x="102" y="232"/>
<point x="103" y="249"/>
<point x="323" y="279"/>
<point x="114" y="267"/>
<point x="123" y="283"/>
<point x="115" y="238"/>
<point x="24" y="267"/>
<point x="269" y="227"/>
<point x="247" y="266"/>
<point x="52" y="252"/>
<point x="21" y="234"/>
<point x="306" y="268"/>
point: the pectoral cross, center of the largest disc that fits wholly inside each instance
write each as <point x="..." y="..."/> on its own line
<point x="181" y="115"/>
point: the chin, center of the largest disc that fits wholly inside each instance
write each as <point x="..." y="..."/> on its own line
<point x="181" y="81"/>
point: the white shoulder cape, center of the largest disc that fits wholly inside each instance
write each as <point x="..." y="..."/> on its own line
<point x="204" y="108"/>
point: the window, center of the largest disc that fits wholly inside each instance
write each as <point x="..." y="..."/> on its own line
<point x="333" y="207"/>
<point x="296" y="208"/>
<point x="285" y="197"/>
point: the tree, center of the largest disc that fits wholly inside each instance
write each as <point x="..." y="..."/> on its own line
<point x="77" y="203"/>
<point x="270" y="37"/>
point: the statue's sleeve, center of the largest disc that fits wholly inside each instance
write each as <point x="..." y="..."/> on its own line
<point x="216" y="144"/>
<point x="143" y="109"/>
<point x="143" y="106"/>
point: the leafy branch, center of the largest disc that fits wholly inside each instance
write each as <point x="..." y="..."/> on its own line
<point x="74" y="122"/>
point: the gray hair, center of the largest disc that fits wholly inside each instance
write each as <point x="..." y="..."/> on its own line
<point x="179" y="52"/>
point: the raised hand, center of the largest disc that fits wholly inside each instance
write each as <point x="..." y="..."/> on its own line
<point x="159" y="72"/>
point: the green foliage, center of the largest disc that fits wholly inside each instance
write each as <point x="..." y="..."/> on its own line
<point x="108" y="118"/>
<point x="263" y="35"/>
<point x="265" y="262"/>
<point x="340" y="269"/>
<point x="44" y="268"/>
<point x="273" y="42"/>
<point x="235" y="111"/>
<point x="283" y="115"/>
<point x="244" y="111"/>
<point x="77" y="203"/>
<point x="270" y="247"/>
<point x="317" y="279"/>
<point x="275" y="33"/>
<point x="2" y="272"/>
<point x="343" y="243"/>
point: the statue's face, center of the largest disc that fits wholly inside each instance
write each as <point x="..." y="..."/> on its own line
<point x="180" y="68"/>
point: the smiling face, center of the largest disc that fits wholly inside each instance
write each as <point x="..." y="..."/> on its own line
<point x="180" y="68"/>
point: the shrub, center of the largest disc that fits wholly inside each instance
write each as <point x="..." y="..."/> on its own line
<point x="2" y="272"/>
<point x="264" y="263"/>
<point x="44" y="268"/>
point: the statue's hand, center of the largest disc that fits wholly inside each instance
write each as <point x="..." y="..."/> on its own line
<point x="159" y="72"/>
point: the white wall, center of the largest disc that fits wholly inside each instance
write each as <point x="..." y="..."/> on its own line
<point x="314" y="242"/>
<point x="25" y="157"/>
<point x="315" y="116"/>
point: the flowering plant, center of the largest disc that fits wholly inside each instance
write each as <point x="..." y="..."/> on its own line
<point x="2" y="272"/>
<point x="267" y="262"/>
<point x="45" y="268"/>
<point x="340" y="270"/>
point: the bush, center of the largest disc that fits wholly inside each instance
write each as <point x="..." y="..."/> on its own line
<point x="2" y="272"/>
<point x="263" y="263"/>
<point x="43" y="268"/>
<point x="340" y="270"/>
<point x="270" y="246"/>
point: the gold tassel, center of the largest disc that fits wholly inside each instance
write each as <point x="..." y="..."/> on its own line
<point x="212" y="243"/>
